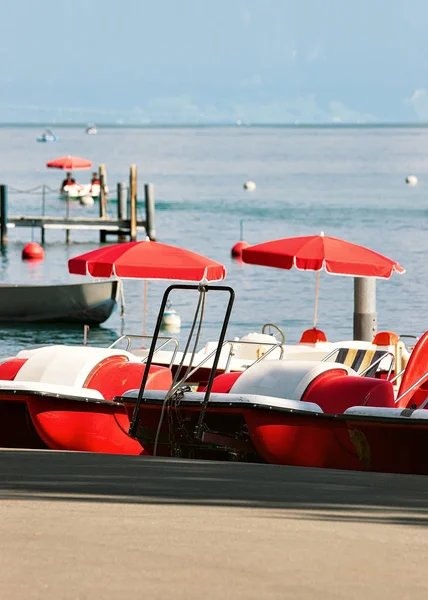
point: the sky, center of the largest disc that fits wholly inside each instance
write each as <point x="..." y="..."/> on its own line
<point x="214" y="61"/>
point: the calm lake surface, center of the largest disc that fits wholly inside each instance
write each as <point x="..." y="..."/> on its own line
<point x="347" y="182"/>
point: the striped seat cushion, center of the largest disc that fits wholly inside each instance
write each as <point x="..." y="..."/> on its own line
<point x="360" y="359"/>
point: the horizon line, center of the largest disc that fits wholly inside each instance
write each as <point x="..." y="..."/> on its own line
<point x="237" y="124"/>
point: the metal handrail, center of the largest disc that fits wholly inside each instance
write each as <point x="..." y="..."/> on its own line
<point x="199" y="365"/>
<point x="397" y="375"/>
<point x="130" y="337"/>
<point x="174" y="352"/>
<point x="263" y="356"/>
<point x="412" y="387"/>
<point x="231" y="343"/>
<point x="332" y="353"/>
<point x="248" y="342"/>
<point x="377" y="361"/>
<point x="409" y="335"/>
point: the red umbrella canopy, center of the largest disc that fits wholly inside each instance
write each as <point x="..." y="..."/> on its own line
<point x="317" y="252"/>
<point x="70" y="163"/>
<point x="147" y="260"/>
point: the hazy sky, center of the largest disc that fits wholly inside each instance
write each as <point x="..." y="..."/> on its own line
<point x="214" y="60"/>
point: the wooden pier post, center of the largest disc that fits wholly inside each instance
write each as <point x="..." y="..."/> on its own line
<point x="43" y="212"/>
<point x="133" y="203"/>
<point x="122" y="200"/>
<point x="103" y="199"/>
<point x="3" y="214"/>
<point x="150" y="211"/>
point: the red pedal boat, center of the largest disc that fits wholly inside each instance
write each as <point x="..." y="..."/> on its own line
<point x="292" y="412"/>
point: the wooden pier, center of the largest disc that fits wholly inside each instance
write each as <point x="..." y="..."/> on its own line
<point x="124" y="226"/>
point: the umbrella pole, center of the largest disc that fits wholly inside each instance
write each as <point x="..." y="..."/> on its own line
<point x="317" y="285"/>
<point x="144" y="306"/>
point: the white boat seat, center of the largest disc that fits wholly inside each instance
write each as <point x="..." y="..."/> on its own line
<point x="64" y="365"/>
<point x="283" y="378"/>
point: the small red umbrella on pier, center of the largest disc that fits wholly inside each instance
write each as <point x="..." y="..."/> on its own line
<point x="69" y="163"/>
<point x="317" y="252"/>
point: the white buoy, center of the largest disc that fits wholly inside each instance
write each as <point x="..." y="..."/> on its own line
<point x="250" y="186"/>
<point x="87" y="200"/>
<point x="171" y="320"/>
<point x="412" y="180"/>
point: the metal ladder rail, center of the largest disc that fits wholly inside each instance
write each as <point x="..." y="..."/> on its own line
<point x="202" y="288"/>
<point x="128" y="337"/>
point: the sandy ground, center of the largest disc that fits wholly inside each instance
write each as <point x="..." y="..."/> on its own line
<point x="79" y="526"/>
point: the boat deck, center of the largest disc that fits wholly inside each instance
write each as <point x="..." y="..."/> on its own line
<point x="76" y="525"/>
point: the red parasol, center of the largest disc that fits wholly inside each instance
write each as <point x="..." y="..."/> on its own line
<point x="69" y="163"/>
<point x="147" y="260"/>
<point x="317" y="252"/>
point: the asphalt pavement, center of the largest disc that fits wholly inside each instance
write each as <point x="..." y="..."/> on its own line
<point x="77" y="526"/>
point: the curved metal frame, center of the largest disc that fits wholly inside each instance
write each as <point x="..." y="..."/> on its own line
<point x="412" y="387"/>
<point x="225" y="343"/>
<point x="377" y="361"/>
<point x="129" y="337"/>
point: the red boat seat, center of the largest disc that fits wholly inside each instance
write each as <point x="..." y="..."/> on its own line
<point x="223" y="383"/>
<point x="386" y="338"/>
<point x="312" y="336"/>
<point x="115" y="376"/>
<point x="9" y="369"/>
<point x="334" y="394"/>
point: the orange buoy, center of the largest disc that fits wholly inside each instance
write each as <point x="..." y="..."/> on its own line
<point x="32" y="251"/>
<point x="236" y="251"/>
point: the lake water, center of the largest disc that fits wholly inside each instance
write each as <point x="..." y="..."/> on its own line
<point x="347" y="182"/>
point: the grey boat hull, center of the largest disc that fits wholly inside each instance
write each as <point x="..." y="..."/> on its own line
<point x="86" y="303"/>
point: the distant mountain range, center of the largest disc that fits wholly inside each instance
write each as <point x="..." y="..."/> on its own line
<point x="183" y="109"/>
